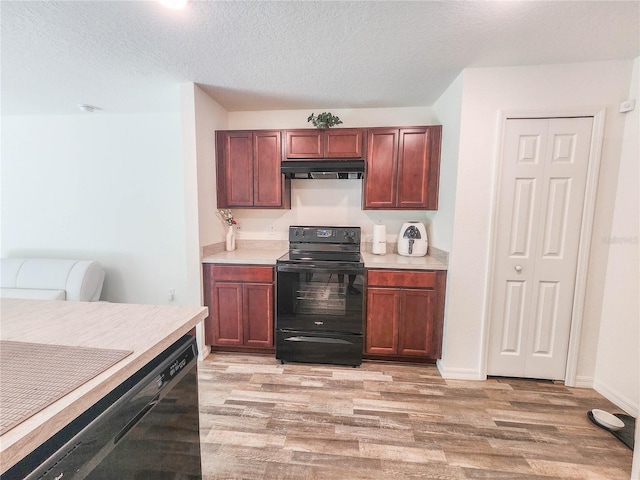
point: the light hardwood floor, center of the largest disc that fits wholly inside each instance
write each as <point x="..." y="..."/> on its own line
<point x="263" y="420"/>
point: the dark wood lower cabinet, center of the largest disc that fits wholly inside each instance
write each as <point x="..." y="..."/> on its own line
<point x="404" y="319"/>
<point x="241" y="308"/>
<point x="405" y="313"/>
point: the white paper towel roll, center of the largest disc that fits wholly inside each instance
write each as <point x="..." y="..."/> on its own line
<point x="379" y="245"/>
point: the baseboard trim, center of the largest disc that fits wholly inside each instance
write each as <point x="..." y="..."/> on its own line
<point x="616" y="398"/>
<point x="582" y="381"/>
<point x="203" y="352"/>
<point x="458" y="373"/>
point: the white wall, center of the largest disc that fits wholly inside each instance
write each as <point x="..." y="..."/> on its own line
<point x="449" y="111"/>
<point x="209" y="117"/>
<point x="190" y="180"/>
<point x="357" y="117"/>
<point x="98" y="186"/>
<point x="330" y="202"/>
<point x="487" y="92"/>
<point x="617" y="361"/>
<point x="201" y="117"/>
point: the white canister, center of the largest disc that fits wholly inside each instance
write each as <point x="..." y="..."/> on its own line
<point x="379" y="243"/>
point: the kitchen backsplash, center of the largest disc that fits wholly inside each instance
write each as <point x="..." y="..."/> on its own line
<point x="324" y="202"/>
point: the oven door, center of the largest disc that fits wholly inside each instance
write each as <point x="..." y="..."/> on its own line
<point x="319" y="313"/>
<point x="319" y="299"/>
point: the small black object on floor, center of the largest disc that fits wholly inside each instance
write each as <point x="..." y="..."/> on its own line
<point x="626" y="433"/>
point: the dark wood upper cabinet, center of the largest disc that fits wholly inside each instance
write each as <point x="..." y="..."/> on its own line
<point x="403" y="168"/>
<point x="235" y="169"/>
<point x="402" y="164"/>
<point x="301" y="144"/>
<point x="380" y="184"/>
<point x="317" y="143"/>
<point x="248" y="170"/>
<point x="343" y="143"/>
<point x="267" y="179"/>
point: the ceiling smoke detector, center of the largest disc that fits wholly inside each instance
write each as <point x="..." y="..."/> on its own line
<point x="87" y="108"/>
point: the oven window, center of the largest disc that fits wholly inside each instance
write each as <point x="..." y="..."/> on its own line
<point x="324" y="294"/>
<point x="319" y="294"/>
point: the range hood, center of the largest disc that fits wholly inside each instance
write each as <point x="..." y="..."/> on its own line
<point x="323" y="169"/>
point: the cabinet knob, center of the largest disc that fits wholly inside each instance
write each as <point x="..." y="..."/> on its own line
<point x="518" y="268"/>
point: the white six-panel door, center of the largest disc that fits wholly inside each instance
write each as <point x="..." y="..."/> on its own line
<point x="542" y="190"/>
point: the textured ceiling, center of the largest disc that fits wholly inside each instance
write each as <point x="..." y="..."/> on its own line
<point x="131" y="56"/>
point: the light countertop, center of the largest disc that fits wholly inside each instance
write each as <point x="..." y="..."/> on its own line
<point x="146" y="330"/>
<point x="247" y="256"/>
<point x="395" y="261"/>
<point x="268" y="256"/>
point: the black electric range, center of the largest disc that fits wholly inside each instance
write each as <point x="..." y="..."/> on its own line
<point x="319" y="308"/>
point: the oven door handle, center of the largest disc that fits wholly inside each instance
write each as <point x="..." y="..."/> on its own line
<point x="312" y="268"/>
<point x="309" y="339"/>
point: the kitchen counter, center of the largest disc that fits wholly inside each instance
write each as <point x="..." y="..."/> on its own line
<point x="145" y="330"/>
<point x="395" y="261"/>
<point x="247" y="256"/>
<point x="256" y="255"/>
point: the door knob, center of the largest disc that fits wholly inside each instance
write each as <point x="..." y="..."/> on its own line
<point x="518" y="268"/>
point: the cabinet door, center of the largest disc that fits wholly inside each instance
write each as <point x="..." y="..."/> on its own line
<point x="380" y="183"/>
<point x="235" y="169"/>
<point x="343" y="143"/>
<point x="417" y="315"/>
<point x="267" y="179"/>
<point x="419" y="167"/>
<point x="383" y="307"/>
<point x="303" y="144"/>
<point x="258" y="315"/>
<point x="413" y="168"/>
<point x="227" y="314"/>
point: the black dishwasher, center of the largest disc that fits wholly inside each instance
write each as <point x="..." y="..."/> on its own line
<point x="146" y="428"/>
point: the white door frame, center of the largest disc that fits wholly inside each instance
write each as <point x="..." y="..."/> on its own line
<point x="595" y="156"/>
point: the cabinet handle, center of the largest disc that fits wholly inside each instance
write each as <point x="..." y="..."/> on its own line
<point x="518" y="268"/>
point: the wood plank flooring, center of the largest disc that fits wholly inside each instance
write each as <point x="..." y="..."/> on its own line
<point x="263" y="420"/>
